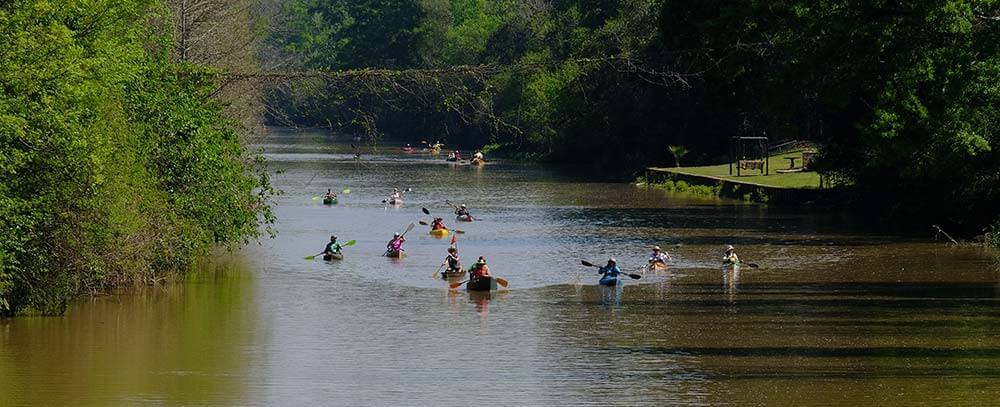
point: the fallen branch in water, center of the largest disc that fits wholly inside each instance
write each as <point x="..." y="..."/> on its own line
<point x="942" y="232"/>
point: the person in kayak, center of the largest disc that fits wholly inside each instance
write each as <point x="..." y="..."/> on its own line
<point x="453" y="261"/>
<point x="330" y="194"/>
<point x="333" y="247"/>
<point x="396" y="195"/>
<point x="658" y="258"/>
<point x="730" y="257"/>
<point x="438" y="224"/>
<point x="479" y="269"/>
<point x="478" y="155"/>
<point x="610" y="270"/>
<point x="396" y="244"/>
<point x="462" y="211"/>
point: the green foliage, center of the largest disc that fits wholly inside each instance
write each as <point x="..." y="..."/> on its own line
<point x="116" y="166"/>
<point x="993" y="235"/>
<point x="338" y="34"/>
<point x="903" y="97"/>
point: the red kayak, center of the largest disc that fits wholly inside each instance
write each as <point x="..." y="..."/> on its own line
<point x="464" y="218"/>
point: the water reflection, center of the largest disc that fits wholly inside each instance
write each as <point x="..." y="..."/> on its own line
<point x="873" y="320"/>
<point x="730" y="282"/>
<point x="612" y="295"/>
<point x="173" y="344"/>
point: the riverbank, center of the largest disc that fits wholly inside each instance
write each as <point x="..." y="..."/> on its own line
<point x="782" y="189"/>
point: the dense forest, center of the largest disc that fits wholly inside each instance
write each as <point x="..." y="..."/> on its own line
<point x="118" y="163"/>
<point x="902" y="97"/>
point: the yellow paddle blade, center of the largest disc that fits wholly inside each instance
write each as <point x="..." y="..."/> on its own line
<point x="347" y="190"/>
<point x="502" y="281"/>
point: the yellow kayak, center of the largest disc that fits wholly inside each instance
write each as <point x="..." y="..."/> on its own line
<point x="439" y="232"/>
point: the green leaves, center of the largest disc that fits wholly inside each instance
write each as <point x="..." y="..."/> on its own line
<point x="115" y="165"/>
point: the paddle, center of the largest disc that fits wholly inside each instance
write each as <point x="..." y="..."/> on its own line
<point x="500" y="281"/>
<point x="632" y="276"/>
<point x="346" y="191"/>
<point x="456" y="207"/>
<point x="751" y="265"/>
<point x="349" y="243"/>
<point x="428" y="213"/>
<point x="408" y="229"/>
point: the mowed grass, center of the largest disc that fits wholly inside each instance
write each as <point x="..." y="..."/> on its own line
<point x="799" y="180"/>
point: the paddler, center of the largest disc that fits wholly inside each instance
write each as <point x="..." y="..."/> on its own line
<point x="730" y="257"/>
<point x="610" y="270"/>
<point x="462" y="211"/>
<point x="333" y="247"/>
<point x="330" y="194"/>
<point x="479" y="269"/>
<point x="438" y="224"/>
<point x="396" y="244"/>
<point x="396" y="195"/>
<point x="659" y="258"/>
<point x="478" y="156"/>
<point x="453" y="261"/>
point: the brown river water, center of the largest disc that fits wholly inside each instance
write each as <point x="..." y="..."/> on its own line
<point x="835" y="315"/>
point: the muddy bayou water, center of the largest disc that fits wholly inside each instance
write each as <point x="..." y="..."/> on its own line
<point x="835" y="315"/>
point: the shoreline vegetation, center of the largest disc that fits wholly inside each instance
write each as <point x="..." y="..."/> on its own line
<point x="123" y="124"/>
<point x="118" y="164"/>
<point x="901" y="99"/>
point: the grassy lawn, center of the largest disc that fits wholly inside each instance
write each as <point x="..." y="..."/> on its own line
<point x="778" y="162"/>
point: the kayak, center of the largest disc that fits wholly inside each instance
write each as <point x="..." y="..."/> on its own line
<point x="609" y="281"/>
<point x="476" y="161"/>
<point x="329" y="201"/>
<point x="464" y="218"/>
<point x="395" y="202"/>
<point x="333" y="256"/>
<point x="452" y="274"/>
<point x="398" y="255"/>
<point x="482" y="284"/>
<point x="407" y="149"/>
<point x="451" y="159"/>
<point x="439" y="232"/>
<point x="658" y="266"/>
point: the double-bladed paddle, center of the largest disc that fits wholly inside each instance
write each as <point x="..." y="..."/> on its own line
<point x="589" y="264"/>
<point x="408" y="229"/>
<point x="349" y="243"/>
<point x="500" y="281"/>
<point x="729" y="263"/>
<point x="346" y="191"/>
<point x="428" y="213"/>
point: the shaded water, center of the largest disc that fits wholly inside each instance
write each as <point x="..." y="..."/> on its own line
<point x="834" y="315"/>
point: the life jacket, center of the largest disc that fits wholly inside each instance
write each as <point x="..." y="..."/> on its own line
<point x="480" y="271"/>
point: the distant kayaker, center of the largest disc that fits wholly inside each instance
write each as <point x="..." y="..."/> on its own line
<point x="333" y="247"/>
<point x="730" y="257"/>
<point x="396" y="195"/>
<point x="659" y="258"/>
<point x="396" y="244"/>
<point x="462" y="211"/>
<point x="610" y="270"/>
<point x="438" y="224"/>
<point x="478" y="155"/>
<point x="453" y="261"/>
<point x="329" y="194"/>
<point x="479" y="269"/>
